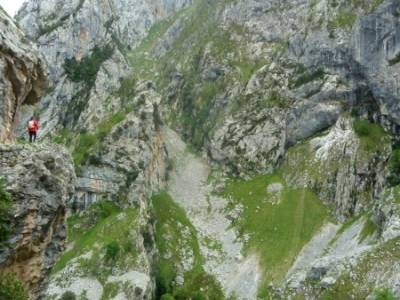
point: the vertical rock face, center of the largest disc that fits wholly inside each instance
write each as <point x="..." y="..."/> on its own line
<point x="377" y="50"/>
<point x="39" y="178"/>
<point x="23" y="74"/>
<point x="40" y="181"/>
<point x="97" y="35"/>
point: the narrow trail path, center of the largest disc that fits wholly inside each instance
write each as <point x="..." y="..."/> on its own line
<point x="188" y="186"/>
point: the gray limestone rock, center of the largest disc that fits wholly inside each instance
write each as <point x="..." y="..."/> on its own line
<point x="23" y="74"/>
<point x="41" y="181"/>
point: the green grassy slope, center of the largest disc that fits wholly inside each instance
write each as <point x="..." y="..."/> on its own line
<point x="177" y="243"/>
<point x="278" y="225"/>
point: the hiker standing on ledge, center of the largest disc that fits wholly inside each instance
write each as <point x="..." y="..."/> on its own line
<point x="33" y="127"/>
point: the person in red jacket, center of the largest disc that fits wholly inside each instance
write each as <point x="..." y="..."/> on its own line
<point x="33" y="127"/>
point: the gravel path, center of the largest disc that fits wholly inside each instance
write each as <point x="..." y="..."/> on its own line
<point x="223" y="252"/>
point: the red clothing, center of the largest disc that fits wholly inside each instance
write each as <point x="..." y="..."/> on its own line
<point x="35" y="126"/>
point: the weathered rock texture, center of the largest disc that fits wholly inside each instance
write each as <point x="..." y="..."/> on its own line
<point x="304" y="87"/>
<point x="40" y="180"/>
<point x="82" y="29"/>
<point x="23" y="74"/>
<point x="128" y="167"/>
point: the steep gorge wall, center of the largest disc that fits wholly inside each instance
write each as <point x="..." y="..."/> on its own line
<point x="23" y="75"/>
<point x="276" y="74"/>
<point x="86" y="43"/>
<point x="39" y="178"/>
<point x="40" y="181"/>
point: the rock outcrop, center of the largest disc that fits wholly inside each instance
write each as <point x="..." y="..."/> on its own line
<point x="39" y="178"/>
<point x="86" y="43"/>
<point x="41" y="181"/>
<point x="23" y="74"/>
<point x="129" y="165"/>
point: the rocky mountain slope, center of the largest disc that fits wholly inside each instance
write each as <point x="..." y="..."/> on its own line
<point x="35" y="181"/>
<point x="232" y="149"/>
<point x="24" y="75"/>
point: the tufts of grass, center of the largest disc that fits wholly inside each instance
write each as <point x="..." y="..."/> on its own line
<point x="5" y="213"/>
<point x="394" y="167"/>
<point x="84" y="144"/>
<point x="372" y="136"/>
<point x="110" y="291"/>
<point x="369" y="229"/>
<point x="275" y="99"/>
<point x="68" y="295"/>
<point x="127" y="89"/>
<point x="307" y="77"/>
<point x="11" y="288"/>
<point x="362" y="281"/>
<point x="104" y="128"/>
<point x="344" y="20"/>
<point x="109" y="233"/>
<point x="277" y="226"/>
<point x="395" y="60"/>
<point x="174" y="236"/>
<point x="86" y="70"/>
<point x="63" y="136"/>
<point x="112" y="250"/>
<point x="384" y="294"/>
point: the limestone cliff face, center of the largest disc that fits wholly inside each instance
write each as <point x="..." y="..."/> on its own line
<point x="39" y="178"/>
<point x="275" y="74"/>
<point x="41" y="181"/>
<point x="23" y="74"/>
<point x="97" y="35"/>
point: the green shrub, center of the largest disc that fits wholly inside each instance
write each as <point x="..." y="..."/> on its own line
<point x="105" y="127"/>
<point x="63" y="137"/>
<point x="369" y="229"/>
<point x="5" y="213"/>
<point x="171" y="221"/>
<point x="307" y="77"/>
<point x="103" y="209"/>
<point x="394" y="166"/>
<point x="68" y="295"/>
<point x="372" y="136"/>
<point x="89" y="233"/>
<point x="127" y="89"/>
<point x="344" y="20"/>
<point x="275" y="99"/>
<point x="87" y="143"/>
<point x="384" y="294"/>
<point x="82" y="150"/>
<point x="112" y="251"/>
<point x="362" y="127"/>
<point x="86" y="70"/>
<point x="395" y="60"/>
<point x="11" y="288"/>
<point x="167" y="297"/>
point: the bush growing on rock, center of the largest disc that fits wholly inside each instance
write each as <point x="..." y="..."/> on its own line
<point x="68" y="295"/>
<point x="394" y="165"/>
<point x="11" y="288"/>
<point x="5" y="213"/>
<point x="384" y="294"/>
<point x="87" y="69"/>
<point x="112" y="251"/>
<point x="167" y="297"/>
